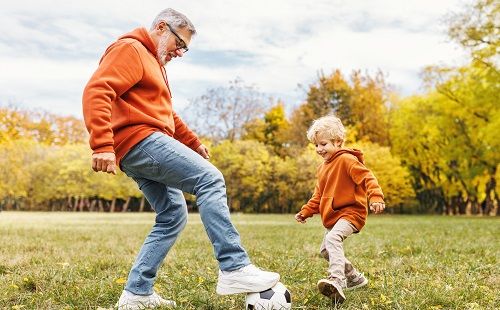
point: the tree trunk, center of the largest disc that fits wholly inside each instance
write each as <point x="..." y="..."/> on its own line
<point x="81" y="204"/>
<point x="113" y="205"/>
<point x="125" y="205"/>
<point x="141" y="206"/>
<point x="92" y="205"/>
<point x="75" y="206"/>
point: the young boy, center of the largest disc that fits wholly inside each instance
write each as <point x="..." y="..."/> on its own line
<point x="343" y="188"/>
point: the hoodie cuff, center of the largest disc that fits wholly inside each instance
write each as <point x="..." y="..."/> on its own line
<point x="195" y="145"/>
<point x="377" y="199"/>
<point x="304" y="212"/>
<point x="104" y="149"/>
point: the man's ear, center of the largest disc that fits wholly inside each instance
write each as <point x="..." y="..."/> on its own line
<point x="161" y="27"/>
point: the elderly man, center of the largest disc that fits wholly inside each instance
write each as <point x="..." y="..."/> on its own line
<point x="128" y="112"/>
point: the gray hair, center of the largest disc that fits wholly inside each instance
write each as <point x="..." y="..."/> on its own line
<point x="175" y="19"/>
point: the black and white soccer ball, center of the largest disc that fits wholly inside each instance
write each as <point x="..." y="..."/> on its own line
<point x="276" y="298"/>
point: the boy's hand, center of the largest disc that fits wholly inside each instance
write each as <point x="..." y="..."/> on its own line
<point x="377" y="207"/>
<point x="299" y="218"/>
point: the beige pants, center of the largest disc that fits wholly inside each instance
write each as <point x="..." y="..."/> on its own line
<point x="333" y="251"/>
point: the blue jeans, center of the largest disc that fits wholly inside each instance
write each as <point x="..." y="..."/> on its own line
<point x="164" y="168"/>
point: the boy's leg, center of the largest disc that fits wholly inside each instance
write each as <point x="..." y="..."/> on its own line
<point x="333" y="285"/>
<point x="175" y="165"/>
<point x="354" y="278"/>
<point x="322" y="248"/>
<point x="334" y="246"/>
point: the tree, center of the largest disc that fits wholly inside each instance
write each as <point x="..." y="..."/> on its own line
<point x="360" y="103"/>
<point x="477" y="28"/>
<point x="16" y="158"/>
<point x="271" y="130"/>
<point x="43" y="127"/>
<point x="394" y="179"/>
<point x="221" y="112"/>
<point x="245" y="166"/>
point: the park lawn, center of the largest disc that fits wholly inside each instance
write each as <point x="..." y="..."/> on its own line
<point x="81" y="261"/>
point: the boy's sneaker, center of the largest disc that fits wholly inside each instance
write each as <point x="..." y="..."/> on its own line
<point x="131" y="301"/>
<point x="332" y="288"/>
<point x="248" y="279"/>
<point x="356" y="280"/>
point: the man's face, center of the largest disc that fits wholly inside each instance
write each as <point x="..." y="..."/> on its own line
<point x="172" y="44"/>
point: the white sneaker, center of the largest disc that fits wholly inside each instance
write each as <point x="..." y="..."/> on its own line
<point x="131" y="301"/>
<point x="248" y="279"/>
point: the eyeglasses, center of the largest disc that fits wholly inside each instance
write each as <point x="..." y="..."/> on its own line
<point x="180" y="44"/>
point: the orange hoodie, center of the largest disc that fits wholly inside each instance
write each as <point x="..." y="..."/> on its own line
<point x="128" y="98"/>
<point x="343" y="188"/>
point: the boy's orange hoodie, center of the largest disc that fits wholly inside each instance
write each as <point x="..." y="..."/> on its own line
<point x="128" y="98"/>
<point x="343" y="190"/>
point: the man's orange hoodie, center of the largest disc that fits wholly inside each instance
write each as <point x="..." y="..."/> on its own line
<point x="343" y="190"/>
<point x="128" y="98"/>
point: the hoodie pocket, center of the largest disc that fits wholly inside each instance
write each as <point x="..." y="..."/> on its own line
<point x="326" y="207"/>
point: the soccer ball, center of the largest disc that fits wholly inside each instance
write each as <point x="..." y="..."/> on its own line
<point x="276" y="298"/>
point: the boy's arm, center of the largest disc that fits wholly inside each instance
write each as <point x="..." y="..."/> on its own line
<point x="312" y="206"/>
<point x="362" y="176"/>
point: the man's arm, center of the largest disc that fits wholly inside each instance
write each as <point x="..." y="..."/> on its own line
<point x="119" y="69"/>
<point x="184" y="134"/>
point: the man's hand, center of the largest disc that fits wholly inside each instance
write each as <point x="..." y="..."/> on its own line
<point x="299" y="218"/>
<point x="377" y="207"/>
<point x="105" y="162"/>
<point x="203" y="151"/>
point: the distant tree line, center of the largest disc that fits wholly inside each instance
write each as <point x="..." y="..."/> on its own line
<point x="437" y="152"/>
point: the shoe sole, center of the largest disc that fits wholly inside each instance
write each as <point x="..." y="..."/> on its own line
<point x="235" y="288"/>
<point x="349" y="288"/>
<point x="330" y="291"/>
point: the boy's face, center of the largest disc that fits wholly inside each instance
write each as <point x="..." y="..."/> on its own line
<point x="326" y="147"/>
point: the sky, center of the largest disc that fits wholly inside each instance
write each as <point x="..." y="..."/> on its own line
<point x="49" y="49"/>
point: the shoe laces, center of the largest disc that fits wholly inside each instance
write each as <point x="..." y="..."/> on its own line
<point x="355" y="276"/>
<point x="340" y="282"/>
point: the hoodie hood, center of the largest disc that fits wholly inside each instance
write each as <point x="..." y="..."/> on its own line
<point x="355" y="152"/>
<point x="141" y="35"/>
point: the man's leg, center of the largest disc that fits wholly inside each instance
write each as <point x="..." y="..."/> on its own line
<point x="175" y="165"/>
<point x="171" y="216"/>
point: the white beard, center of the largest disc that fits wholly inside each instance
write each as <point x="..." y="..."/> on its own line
<point x="162" y="51"/>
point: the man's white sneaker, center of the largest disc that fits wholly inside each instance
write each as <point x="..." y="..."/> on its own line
<point x="131" y="301"/>
<point x="248" y="279"/>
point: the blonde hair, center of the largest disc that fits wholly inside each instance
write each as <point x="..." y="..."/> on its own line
<point x="329" y="127"/>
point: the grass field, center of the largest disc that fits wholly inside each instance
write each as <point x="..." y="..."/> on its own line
<point x="81" y="261"/>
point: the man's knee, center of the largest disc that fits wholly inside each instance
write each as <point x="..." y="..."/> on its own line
<point x="213" y="177"/>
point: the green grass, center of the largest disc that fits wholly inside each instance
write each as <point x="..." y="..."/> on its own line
<point x="80" y="261"/>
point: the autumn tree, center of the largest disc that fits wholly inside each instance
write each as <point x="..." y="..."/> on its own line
<point x="271" y="130"/>
<point x="221" y="112"/>
<point x="361" y="104"/>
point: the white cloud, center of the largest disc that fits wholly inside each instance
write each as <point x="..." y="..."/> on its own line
<point x="49" y="49"/>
